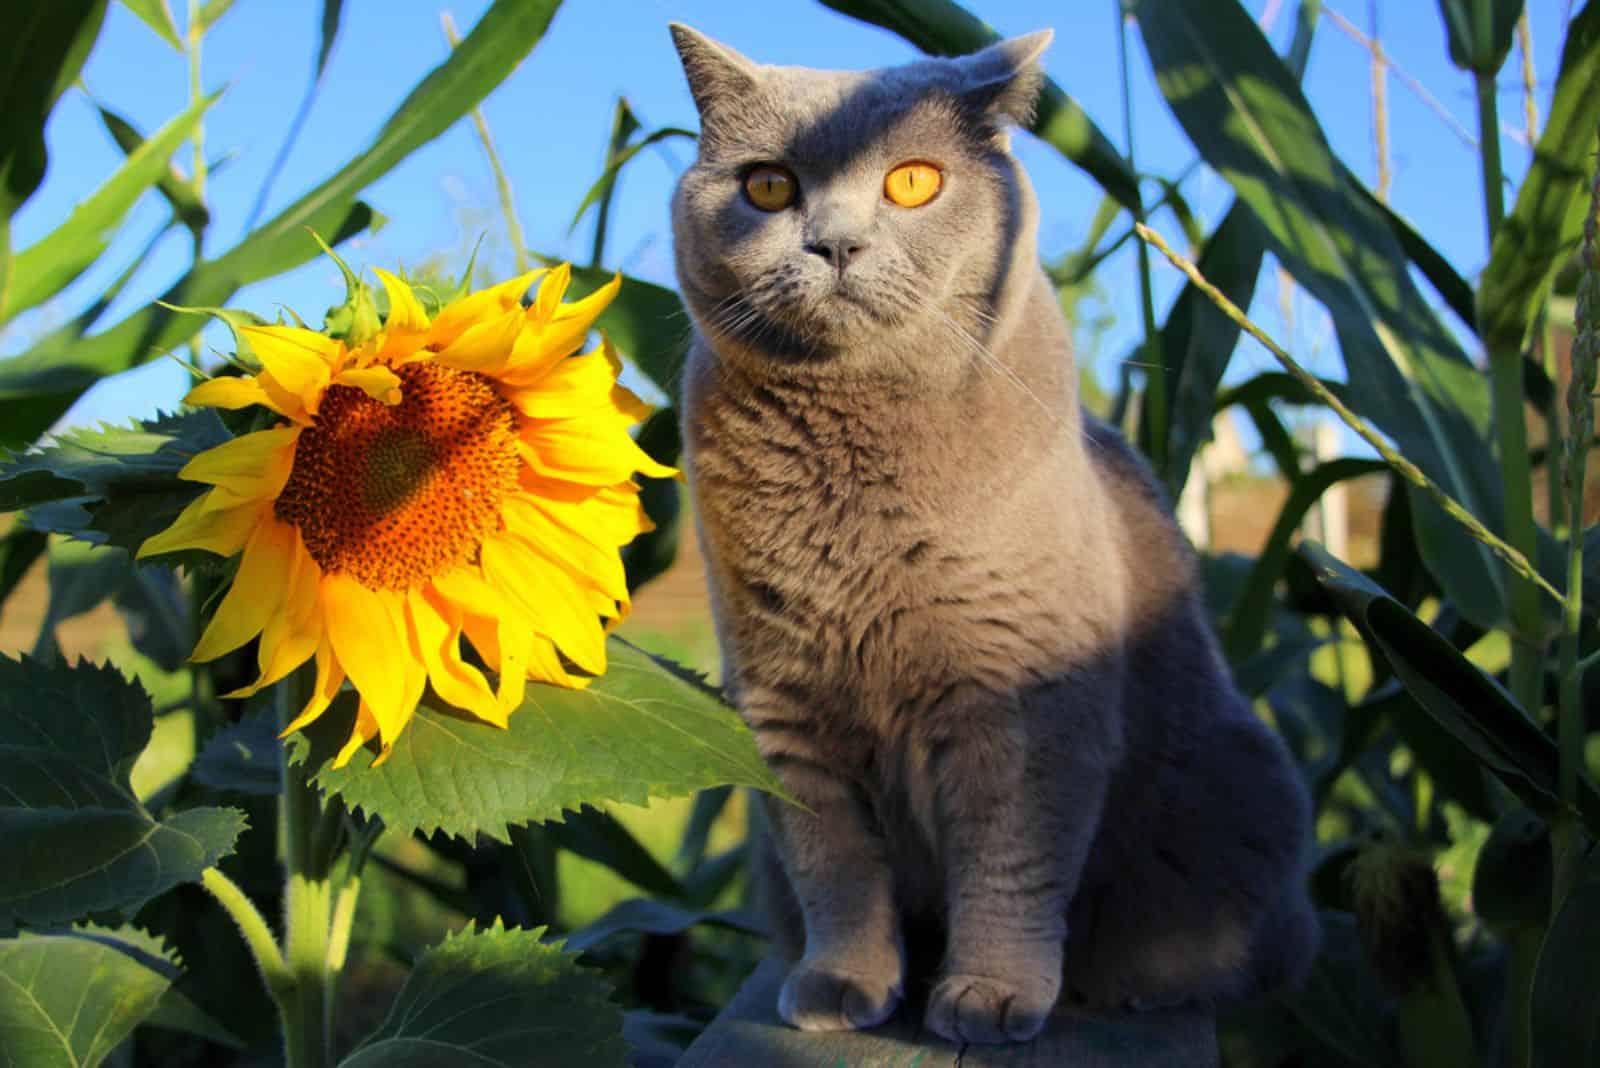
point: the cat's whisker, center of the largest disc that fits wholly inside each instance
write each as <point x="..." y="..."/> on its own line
<point x="993" y="363"/>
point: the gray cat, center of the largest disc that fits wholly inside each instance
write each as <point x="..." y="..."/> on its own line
<point x="955" y="610"/>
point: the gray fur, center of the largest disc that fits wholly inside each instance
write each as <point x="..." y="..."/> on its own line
<point x="956" y="611"/>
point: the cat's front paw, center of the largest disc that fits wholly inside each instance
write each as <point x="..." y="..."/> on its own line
<point x="978" y="1008"/>
<point x="818" y="996"/>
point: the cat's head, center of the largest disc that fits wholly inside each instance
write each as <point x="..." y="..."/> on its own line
<point x="833" y="213"/>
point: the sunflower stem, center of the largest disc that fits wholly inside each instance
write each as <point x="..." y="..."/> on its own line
<point x="258" y="937"/>
<point x="307" y="1005"/>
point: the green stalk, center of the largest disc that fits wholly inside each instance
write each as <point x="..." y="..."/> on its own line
<point x="1511" y="430"/>
<point x="1522" y="963"/>
<point x="1401" y="466"/>
<point x="1155" y="373"/>
<point x="622" y="126"/>
<point x="502" y="182"/>
<point x="192" y="37"/>
<point x="1580" y="425"/>
<point x="258" y="937"/>
<point x="307" y="1008"/>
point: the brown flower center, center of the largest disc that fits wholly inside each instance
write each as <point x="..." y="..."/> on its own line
<point x="397" y="495"/>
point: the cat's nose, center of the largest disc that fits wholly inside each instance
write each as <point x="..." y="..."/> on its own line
<point x="839" y="251"/>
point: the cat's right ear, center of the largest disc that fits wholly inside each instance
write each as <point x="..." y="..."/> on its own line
<point x="716" y="73"/>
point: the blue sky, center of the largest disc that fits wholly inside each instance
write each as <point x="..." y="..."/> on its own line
<point x="552" y="117"/>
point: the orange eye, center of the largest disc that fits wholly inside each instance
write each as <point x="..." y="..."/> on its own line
<point x="912" y="185"/>
<point x="770" y="188"/>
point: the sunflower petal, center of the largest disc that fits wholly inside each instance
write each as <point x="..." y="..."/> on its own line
<point x="587" y="451"/>
<point x="361" y="625"/>
<point x="293" y="634"/>
<point x="250" y="466"/>
<point x="257" y="591"/>
<point x="436" y="626"/>
<point x="204" y="525"/>
<point x="549" y="597"/>
<point x="379" y="383"/>
<point x="551" y="290"/>
<point x="488" y="303"/>
<point x="330" y="677"/>
<point x="233" y="392"/>
<point x="565" y="330"/>
<point x="406" y="313"/>
<point x="299" y="360"/>
<point x="591" y="564"/>
<point x="485" y="346"/>
<point x="366" y="727"/>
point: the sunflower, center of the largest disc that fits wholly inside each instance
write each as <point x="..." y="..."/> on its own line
<point x="457" y="476"/>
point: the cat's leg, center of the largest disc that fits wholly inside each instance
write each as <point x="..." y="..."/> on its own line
<point x="1014" y="839"/>
<point x="851" y="974"/>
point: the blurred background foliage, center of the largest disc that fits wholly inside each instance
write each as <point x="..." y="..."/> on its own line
<point x="1434" y="698"/>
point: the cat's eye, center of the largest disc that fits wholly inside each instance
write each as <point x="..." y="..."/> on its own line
<point x="912" y="185"/>
<point x="770" y="188"/>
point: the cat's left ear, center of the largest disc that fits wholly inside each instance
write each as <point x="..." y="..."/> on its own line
<point x="1005" y="78"/>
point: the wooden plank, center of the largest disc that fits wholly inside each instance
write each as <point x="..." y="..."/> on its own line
<point x="749" y="1033"/>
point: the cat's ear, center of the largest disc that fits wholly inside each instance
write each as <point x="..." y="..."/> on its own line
<point x="715" y="72"/>
<point x="1005" y="78"/>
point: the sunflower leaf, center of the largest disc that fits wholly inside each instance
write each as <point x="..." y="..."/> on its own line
<point x="112" y="485"/>
<point x="486" y="998"/>
<point x="70" y="997"/>
<point x="639" y="732"/>
<point x="74" y="838"/>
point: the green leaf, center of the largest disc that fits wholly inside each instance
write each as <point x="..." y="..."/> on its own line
<point x="1470" y="705"/>
<point x="1197" y="340"/>
<point x="212" y="11"/>
<point x="609" y="175"/>
<point x="332" y="17"/>
<point x="68" y="999"/>
<point x="1479" y="32"/>
<point x="1453" y="289"/>
<point x="44" y="47"/>
<point x="149" y="600"/>
<point x="48" y="266"/>
<point x="121" y="481"/>
<point x="19" y="549"/>
<point x="646" y="322"/>
<point x="1247" y="625"/>
<point x="1566" y="999"/>
<point x="944" y="28"/>
<point x="1547" y="220"/>
<point x="708" y="806"/>
<point x="636" y="733"/>
<point x="74" y="839"/>
<point x="642" y="915"/>
<point x="1244" y="111"/>
<point x="245" y="757"/>
<point x="502" y="37"/>
<point x="494" y="999"/>
<point x="156" y="15"/>
<point x="596" y="835"/>
<point x="181" y="193"/>
<point x="1511" y="881"/>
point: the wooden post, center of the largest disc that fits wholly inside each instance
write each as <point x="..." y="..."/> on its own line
<point x="749" y="1034"/>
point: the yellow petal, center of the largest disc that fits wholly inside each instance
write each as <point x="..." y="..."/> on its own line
<point x="581" y="386"/>
<point x="257" y="591"/>
<point x="379" y="383"/>
<point x="566" y="329"/>
<point x="293" y="634"/>
<point x="551" y="290"/>
<point x="485" y="346"/>
<point x="203" y="525"/>
<point x="505" y="645"/>
<point x="406" y="313"/>
<point x="544" y="665"/>
<point x="436" y="626"/>
<point x="586" y="451"/>
<point x="368" y="642"/>
<point x="549" y="597"/>
<point x="487" y="303"/>
<point x="299" y="360"/>
<point x="591" y="563"/>
<point x="330" y="677"/>
<point x="250" y="466"/>
<point x="232" y="392"/>
<point x="366" y="726"/>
